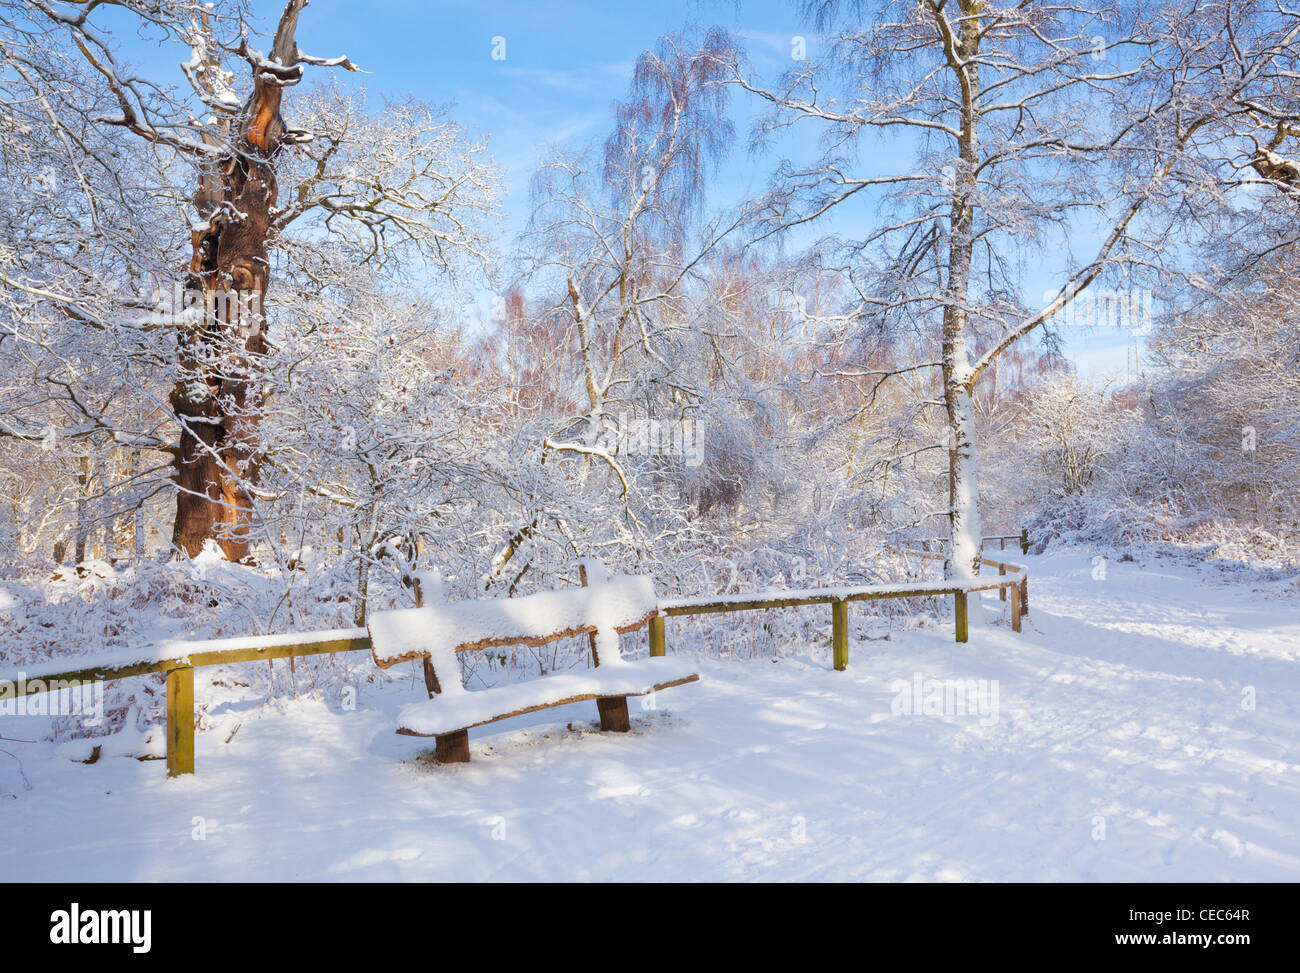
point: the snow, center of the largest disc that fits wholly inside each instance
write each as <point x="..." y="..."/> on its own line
<point x="442" y="714"/>
<point x="435" y="630"/>
<point x="595" y="570"/>
<point x="985" y="580"/>
<point x="1122" y="750"/>
<point x="407" y="633"/>
<point x="1281" y="163"/>
<point x="431" y="585"/>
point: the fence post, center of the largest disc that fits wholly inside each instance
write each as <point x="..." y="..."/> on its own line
<point x="959" y="607"/>
<point x="840" y="634"/>
<point x="180" y="721"/>
<point x="1002" y="592"/>
<point x="658" y="637"/>
<point x="1024" y="594"/>
<point x="1015" y="608"/>
<point x="1024" y="540"/>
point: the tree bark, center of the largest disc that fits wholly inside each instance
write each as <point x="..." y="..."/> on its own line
<point x="964" y="529"/>
<point x="217" y="396"/>
<point x="85" y="479"/>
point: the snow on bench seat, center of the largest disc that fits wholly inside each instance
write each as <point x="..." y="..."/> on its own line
<point x="604" y="608"/>
<point x="621" y="603"/>
<point x="449" y="712"/>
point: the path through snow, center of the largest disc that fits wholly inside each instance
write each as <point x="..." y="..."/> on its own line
<point x="1119" y="707"/>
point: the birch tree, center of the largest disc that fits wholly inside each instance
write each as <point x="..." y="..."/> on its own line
<point x="1093" y="130"/>
<point x="616" y="243"/>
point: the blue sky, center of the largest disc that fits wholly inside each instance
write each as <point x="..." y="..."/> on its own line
<point x="565" y="62"/>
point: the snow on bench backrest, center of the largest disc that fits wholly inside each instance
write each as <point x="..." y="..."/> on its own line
<point x="617" y="604"/>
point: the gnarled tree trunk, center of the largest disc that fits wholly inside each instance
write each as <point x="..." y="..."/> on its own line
<point x="217" y="397"/>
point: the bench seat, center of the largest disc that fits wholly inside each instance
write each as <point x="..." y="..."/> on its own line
<point x="451" y="712"/>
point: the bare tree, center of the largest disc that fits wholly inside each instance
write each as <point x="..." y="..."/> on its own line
<point x="215" y="398"/>
<point x="401" y="191"/>
<point x="618" y="240"/>
<point x="1028" y="127"/>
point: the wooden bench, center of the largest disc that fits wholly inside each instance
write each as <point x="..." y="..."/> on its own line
<point x="602" y="609"/>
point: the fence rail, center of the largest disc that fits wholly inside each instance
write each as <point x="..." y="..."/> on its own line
<point x="1022" y="539"/>
<point x="1012" y="581"/>
<point x="178" y="669"/>
<point x="178" y="662"/>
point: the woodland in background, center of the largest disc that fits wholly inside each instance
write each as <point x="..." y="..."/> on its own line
<point x="373" y="419"/>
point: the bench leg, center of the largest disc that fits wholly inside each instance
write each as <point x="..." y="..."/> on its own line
<point x="431" y="679"/>
<point x="452" y="748"/>
<point x="613" y="714"/>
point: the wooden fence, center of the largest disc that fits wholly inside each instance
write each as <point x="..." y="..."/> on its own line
<point x="1013" y="582"/>
<point x="1021" y="539"/>
<point x="178" y="667"/>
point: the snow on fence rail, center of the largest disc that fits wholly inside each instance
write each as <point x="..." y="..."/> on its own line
<point x="178" y="660"/>
<point x="1012" y="578"/>
<point x="1022" y="539"/>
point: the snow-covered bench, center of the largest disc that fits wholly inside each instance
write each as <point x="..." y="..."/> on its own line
<point x="606" y="607"/>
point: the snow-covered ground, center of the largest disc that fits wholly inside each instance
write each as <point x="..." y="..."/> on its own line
<point x="1125" y="748"/>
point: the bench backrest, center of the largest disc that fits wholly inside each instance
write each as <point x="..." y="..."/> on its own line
<point x="619" y="603"/>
